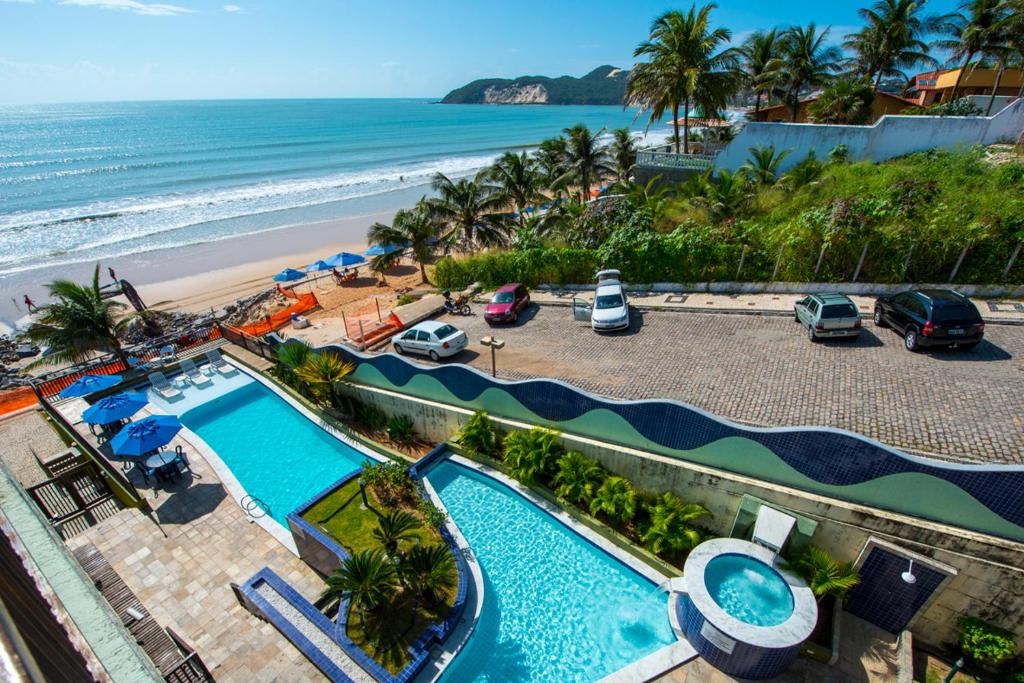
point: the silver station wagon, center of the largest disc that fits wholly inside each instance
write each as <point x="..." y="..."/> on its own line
<point x="828" y="315"/>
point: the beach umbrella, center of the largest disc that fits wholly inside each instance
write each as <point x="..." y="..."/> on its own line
<point x="90" y="384"/>
<point x="318" y="265"/>
<point x="146" y="435"/>
<point x="114" y="408"/>
<point x="289" y="275"/>
<point x="344" y="259"/>
<point x="382" y="249"/>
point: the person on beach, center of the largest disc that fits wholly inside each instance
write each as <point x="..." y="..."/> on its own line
<point x="113" y="276"/>
<point x="30" y="304"/>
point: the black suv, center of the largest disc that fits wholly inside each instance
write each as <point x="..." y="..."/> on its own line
<point x="931" y="317"/>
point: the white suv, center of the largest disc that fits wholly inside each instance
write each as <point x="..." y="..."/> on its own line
<point x="610" y="310"/>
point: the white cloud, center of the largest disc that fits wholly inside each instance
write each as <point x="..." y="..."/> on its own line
<point x="147" y="9"/>
<point x="27" y="2"/>
<point x="232" y="8"/>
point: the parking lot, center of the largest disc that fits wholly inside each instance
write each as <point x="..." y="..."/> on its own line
<point x="763" y="370"/>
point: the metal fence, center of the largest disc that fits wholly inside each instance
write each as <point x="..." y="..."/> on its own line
<point x="248" y="342"/>
<point x="686" y="162"/>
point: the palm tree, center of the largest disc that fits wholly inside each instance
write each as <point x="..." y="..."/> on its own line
<point x="394" y="527"/>
<point x="824" y="575"/>
<point x="79" y="323"/>
<point x="623" y="153"/>
<point x="470" y="208"/>
<point x="672" y="529"/>
<point x="531" y="455"/>
<point x="760" y="61"/>
<point x="723" y="199"/>
<point x="807" y="62"/>
<point x="651" y="195"/>
<point x="616" y="499"/>
<point x="577" y="477"/>
<point x="322" y="371"/>
<point x="366" y="578"/>
<point x="429" y="570"/>
<point x="517" y="180"/>
<point x="1004" y="41"/>
<point x="686" y="67"/>
<point x="892" y="39"/>
<point x="847" y="101"/>
<point x="969" y="34"/>
<point x="550" y="158"/>
<point x="586" y="161"/>
<point x="410" y="226"/>
<point x="806" y="172"/>
<point x="763" y="166"/>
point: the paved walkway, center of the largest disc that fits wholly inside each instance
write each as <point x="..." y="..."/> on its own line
<point x="25" y="437"/>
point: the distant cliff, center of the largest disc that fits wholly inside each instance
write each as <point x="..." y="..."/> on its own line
<point x="603" y="85"/>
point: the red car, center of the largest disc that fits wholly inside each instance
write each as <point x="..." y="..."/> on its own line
<point x="506" y="304"/>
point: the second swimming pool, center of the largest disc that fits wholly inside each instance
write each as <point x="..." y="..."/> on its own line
<point x="556" y="607"/>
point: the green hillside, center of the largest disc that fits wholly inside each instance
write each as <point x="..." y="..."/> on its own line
<point x="604" y="85"/>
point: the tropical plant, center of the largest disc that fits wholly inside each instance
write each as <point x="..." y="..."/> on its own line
<point x="401" y="429"/>
<point x="381" y="264"/>
<point x="550" y="158"/>
<point x="389" y="481"/>
<point x="808" y="61"/>
<point x="321" y="371"/>
<point x="517" y="180"/>
<point x="760" y="63"/>
<point x="290" y="357"/>
<point x="650" y="196"/>
<point x="412" y="227"/>
<point x="839" y="154"/>
<point x="724" y="197"/>
<point x="371" y="417"/>
<point x="615" y="499"/>
<point x="478" y="435"/>
<point x="846" y="101"/>
<point x="969" y="33"/>
<point x="823" y="574"/>
<point x="366" y="578"/>
<point x="531" y="455"/>
<point x="428" y="570"/>
<point x="671" y="530"/>
<point x="78" y="323"/>
<point x="762" y="168"/>
<point x="586" y="161"/>
<point x="577" y="478"/>
<point x="394" y="527"/>
<point x="891" y="40"/>
<point x="985" y="644"/>
<point x="687" y="67"/>
<point x="623" y="153"/>
<point x="470" y="208"/>
<point x="807" y="171"/>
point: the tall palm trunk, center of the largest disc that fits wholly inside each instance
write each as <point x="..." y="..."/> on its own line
<point x="675" y="123"/>
<point x="686" y="125"/>
<point x="878" y="80"/>
<point x="757" y="104"/>
<point x="960" y="76"/>
<point x="995" y="88"/>
<point x="423" y="271"/>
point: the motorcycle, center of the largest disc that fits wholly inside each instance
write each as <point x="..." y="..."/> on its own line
<point x="459" y="306"/>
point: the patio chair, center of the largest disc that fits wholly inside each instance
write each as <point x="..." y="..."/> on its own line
<point x="188" y="367"/>
<point x="182" y="460"/>
<point x="167" y="354"/>
<point x="136" y="363"/>
<point x="218" y="363"/>
<point x="164" y="387"/>
<point x="146" y="472"/>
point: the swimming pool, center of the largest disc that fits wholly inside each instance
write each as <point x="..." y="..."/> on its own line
<point x="748" y="589"/>
<point x="276" y="454"/>
<point x="556" y="607"/>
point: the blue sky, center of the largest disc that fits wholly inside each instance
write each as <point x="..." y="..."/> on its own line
<point x="78" y="50"/>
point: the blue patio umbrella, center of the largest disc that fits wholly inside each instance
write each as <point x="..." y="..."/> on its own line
<point x="382" y="249"/>
<point x="114" y="408"/>
<point x="344" y="259"/>
<point x="289" y="275"/>
<point x="318" y="265"/>
<point x="146" y="435"/>
<point x="90" y="384"/>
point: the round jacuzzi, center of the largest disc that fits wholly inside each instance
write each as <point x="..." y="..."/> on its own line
<point x="744" y="615"/>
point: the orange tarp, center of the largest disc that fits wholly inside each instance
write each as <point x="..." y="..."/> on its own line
<point x="16" y="399"/>
<point x="303" y="303"/>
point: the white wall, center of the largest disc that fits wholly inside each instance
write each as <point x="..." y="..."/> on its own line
<point x="889" y="137"/>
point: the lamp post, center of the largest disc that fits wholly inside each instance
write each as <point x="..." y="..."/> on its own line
<point x="362" y="492"/>
<point x="495" y="344"/>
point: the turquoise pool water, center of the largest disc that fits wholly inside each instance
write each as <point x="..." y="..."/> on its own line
<point x="556" y="607"/>
<point x="749" y="590"/>
<point x="275" y="453"/>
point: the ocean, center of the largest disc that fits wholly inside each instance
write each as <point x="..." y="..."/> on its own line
<point x="85" y="182"/>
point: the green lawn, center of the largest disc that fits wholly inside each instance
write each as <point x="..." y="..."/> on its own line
<point x="392" y="628"/>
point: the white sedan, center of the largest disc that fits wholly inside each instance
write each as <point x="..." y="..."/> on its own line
<point x="430" y="338"/>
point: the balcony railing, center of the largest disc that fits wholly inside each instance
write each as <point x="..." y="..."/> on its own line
<point x="686" y="162"/>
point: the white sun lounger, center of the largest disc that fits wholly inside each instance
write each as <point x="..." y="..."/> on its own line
<point x="772" y="528"/>
<point x="162" y="386"/>
<point x="218" y="363"/>
<point x="192" y="372"/>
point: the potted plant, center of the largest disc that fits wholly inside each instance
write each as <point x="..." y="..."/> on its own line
<point x="829" y="580"/>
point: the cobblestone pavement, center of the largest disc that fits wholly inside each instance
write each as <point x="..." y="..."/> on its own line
<point x="763" y="370"/>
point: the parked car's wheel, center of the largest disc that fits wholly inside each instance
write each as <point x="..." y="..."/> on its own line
<point x="515" y="317"/>
<point x="811" y="335"/>
<point x="434" y="357"/>
<point x="399" y="350"/>
<point x="796" y="316"/>
<point x="910" y="339"/>
<point x="879" y="317"/>
<point x="968" y="347"/>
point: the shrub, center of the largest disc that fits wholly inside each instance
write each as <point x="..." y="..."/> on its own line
<point x="401" y="430"/>
<point x="577" y="478"/>
<point x="671" y="530"/>
<point x="616" y="499"/>
<point x="531" y="455"/>
<point x="389" y="481"/>
<point x="478" y="435"/>
<point x="431" y="514"/>
<point x="823" y="574"/>
<point x="406" y="299"/>
<point x="984" y="643"/>
<point x="371" y="417"/>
